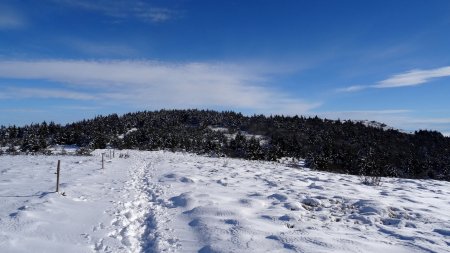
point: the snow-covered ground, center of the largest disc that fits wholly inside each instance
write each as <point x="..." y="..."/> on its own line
<point x="173" y="202"/>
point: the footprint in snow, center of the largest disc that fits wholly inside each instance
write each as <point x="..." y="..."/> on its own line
<point x="168" y="177"/>
<point x="99" y="245"/>
<point x="98" y="227"/>
<point x="17" y="213"/>
<point x="290" y="217"/>
<point x="232" y="222"/>
<point x="314" y="186"/>
<point x="186" y="180"/>
<point x="182" y="200"/>
<point x="208" y="249"/>
<point x="311" y="202"/>
<point x="285" y="244"/>
<point x="245" y="202"/>
<point x="278" y="196"/>
<point x="444" y="232"/>
<point x="256" y="194"/>
<point x="195" y="222"/>
<point x="271" y="183"/>
<point x="222" y="182"/>
<point x="87" y="237"/>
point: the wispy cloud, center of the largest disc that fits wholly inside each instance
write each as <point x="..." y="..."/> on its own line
<point x="155" y="15"/>
<point x="413" y="77"/>
<point x="14" y="93"/>
<point x="431" y="121"/>
<point x="22" y="110"/>
<point x="78" y="108"/>
<point x="10" y="18"/>
<point x="353" y="88"/>
<point x="410" y="78"/>
<point x="121" y="9"/>
<point x="153" y="84"/>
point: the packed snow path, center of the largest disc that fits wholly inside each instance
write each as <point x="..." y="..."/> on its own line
<point x="173" y="202"/>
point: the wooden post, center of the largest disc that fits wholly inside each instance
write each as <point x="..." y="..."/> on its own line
<point x="103" y="161"/>
<point x="114" y="153"/>
<point x="110" y="154"/>
<point x="57" y="175"/>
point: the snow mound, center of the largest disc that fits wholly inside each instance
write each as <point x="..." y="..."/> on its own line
<point x="370" y="207"/>
<point x="293" y="206"/>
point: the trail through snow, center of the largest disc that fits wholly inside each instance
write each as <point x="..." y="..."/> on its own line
<point x="134" y="222"/>
<point x="173" y="202"/>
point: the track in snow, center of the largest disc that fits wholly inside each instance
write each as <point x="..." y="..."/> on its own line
<point x="134" y="223"/>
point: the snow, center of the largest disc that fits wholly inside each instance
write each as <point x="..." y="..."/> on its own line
<point x="121" y="136"/>
<point x="175" y="202"/>
<point x="218" y="129"/>
<point x="375" y="124"/>
<point x="61" y="149"/>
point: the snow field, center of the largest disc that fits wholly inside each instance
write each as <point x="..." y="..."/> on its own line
<point x="173" y="202"/>
<point x="243" y="206"/>
<point x="34" y="217"/>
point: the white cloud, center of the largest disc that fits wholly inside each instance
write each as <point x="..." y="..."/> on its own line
<point x="21" y="110"/>
<point x="413" y="77"/>
<point x="156" y="15"/>
<point x="353" y="88"/>
<point x="410" y="78"/>
<point x="431" y="121"/>
<point x="12" y="92"/>
<point x="121" y="9"/>
<point x="152" y="84"/>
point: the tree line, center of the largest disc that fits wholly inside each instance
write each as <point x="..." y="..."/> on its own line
<point x="329" y="145"/>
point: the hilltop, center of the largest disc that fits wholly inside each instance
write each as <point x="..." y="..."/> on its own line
<point x="345" y="146"/>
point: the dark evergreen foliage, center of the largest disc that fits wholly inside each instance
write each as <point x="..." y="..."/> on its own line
<point x="337" y="146"/>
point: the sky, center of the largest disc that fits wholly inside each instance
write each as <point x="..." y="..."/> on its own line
<point x="385" y="60"/>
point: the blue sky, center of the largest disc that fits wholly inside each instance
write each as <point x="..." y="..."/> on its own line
<point x="65" y="60"/>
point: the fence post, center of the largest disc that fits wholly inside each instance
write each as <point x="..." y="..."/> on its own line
<point x="103" y="161"/>
<point x="57" y="175"/>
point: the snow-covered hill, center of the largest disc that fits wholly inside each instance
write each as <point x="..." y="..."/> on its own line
<point x="173" y="202"/>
